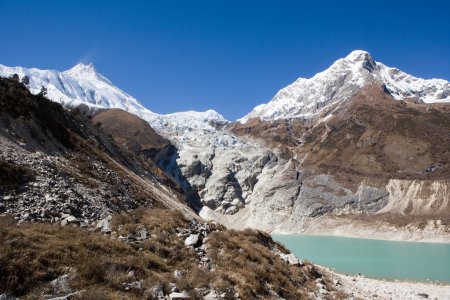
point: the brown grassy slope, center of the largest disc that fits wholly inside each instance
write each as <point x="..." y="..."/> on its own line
<point x="129" y="130"/>
<point x="282" y="135"/>
<point x="380" y="137"/>
<point x="138" y="140"/>
<point x="31" y="255"/>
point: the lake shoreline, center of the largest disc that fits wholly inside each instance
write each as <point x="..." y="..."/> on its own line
<point x="369" y="288"/>
<point x="378" y="259"/>
<point x="375" y="230"/>
<point x="380" y="237"/>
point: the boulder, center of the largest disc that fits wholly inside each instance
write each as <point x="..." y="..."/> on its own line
<point x="179" y="296"/>
<point x="177" y="274"/>
<point x="212" y="295"/>
<point x="156" y="292"/>
<point x="192" y="240"/>
<point x="69" y="220"/>
<point x="291" y="259"/>
<point x="104" y="225"/>
<point x="143" y="234"/>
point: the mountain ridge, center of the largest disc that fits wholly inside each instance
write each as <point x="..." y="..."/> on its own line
<point x="84" y="85"/>
<point x="305" y="97"/>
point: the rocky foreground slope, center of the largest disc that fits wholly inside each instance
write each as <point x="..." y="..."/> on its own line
<point x="151" y="254"/>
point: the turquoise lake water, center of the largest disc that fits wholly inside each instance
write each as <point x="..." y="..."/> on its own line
<point x="373" y="258"/>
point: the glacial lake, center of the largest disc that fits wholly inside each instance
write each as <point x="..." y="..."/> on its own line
<point x="373" y="258"/>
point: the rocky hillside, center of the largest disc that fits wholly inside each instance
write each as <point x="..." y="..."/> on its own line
<point x="58" y="167"/>
<point x="84" y="214"/>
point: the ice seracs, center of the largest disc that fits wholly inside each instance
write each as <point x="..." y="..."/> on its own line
<point x="305" y="97"/>
<point x="189" y="119"/>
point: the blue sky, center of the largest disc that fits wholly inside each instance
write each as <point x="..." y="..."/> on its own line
<point x="225" y="55"/>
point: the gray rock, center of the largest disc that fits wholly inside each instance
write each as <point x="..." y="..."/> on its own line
<point x="69" y="220"/>
<point x="66" y="297"/>
<point x="212" y="295"/>
<point x="157" y="292"/>
<point x="179" y="296"/>
<point x="143" y="233"/>
<point x="177" y="273"/>
<point x="61" y="284"/>
<point x="105" y="225"/>
<point x="192" y="240"/>
<point x="291" y="259"/>
<point x="7" y="297"/>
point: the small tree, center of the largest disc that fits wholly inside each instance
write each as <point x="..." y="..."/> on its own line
<point x="15" y="77"/>
<point x="26" y="80"/>
<point x="43" y="91"/>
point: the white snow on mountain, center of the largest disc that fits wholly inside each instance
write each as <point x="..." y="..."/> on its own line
<point x="188" y="119"/>
<point x="83" y="85"/>
<point x="80" y="85"/>
<point x="305" y="97"/>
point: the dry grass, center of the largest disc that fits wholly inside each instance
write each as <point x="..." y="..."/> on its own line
<point x="34" y="254"/>
<point x="31" y="255"/>
<point x="245" y="261"/>
<point x="12" y="176"/>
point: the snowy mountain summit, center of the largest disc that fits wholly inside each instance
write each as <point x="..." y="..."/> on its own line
<point x="83" y="85"/>
<point x="305" y="97"/>
<point x="80" y="85"/>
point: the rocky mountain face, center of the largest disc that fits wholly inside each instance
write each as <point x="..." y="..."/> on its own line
<point x="357" y="138"/>
<point x="371" y="155"/>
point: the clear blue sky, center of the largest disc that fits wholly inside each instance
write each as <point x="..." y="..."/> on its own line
<point x="225" y="55"/>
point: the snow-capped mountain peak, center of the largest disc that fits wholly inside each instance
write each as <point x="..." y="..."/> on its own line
<point x="82" y="68"/>
<point x="305" y="97"/>
<point x="359" y="55"/>
<point x="80" y="85"/>
<point x="361" y="58"/>
<point x="83" y="71"/>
